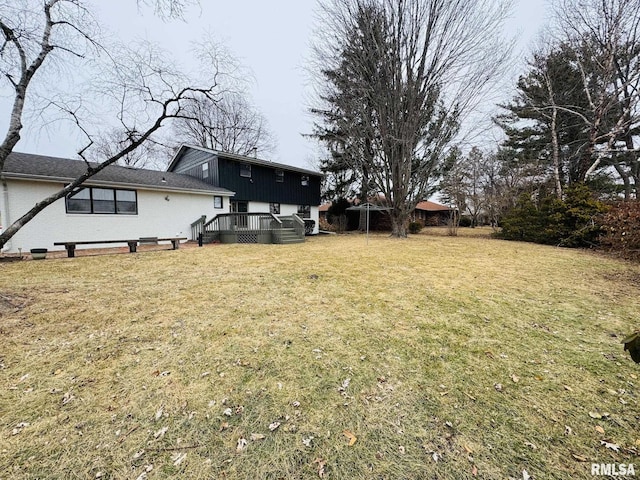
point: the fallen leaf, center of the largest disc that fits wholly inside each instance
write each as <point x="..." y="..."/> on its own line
<point x="228" y="412"/>
<point x="274" y="426"/>
<point x="610" y="446"/>
<point x="525" y="475"/>
<point x="178" y="458"/>
<point x="580" y="458"/>
<point x="467" y="449"/>
<point x="256" y="437"/>
<point x="321" y="463"/>
<point x="345" y="384"/>
<point x="241" y="445"/>
<point x="515" y="378"/>
<point x="224" y="426"/>
<point x="474" y="471"/>
<point x="531" y="445"/>
<point x="159" y="413"/>
<point x="595" y="415"/>
<point x="638" y="443"/>
<point x="164" y="374"/>
<point x="498" y="387"/>
<point x="435" y="457"/>
<point x="568" y="388"/>
<point x="67" y="398"/>
<point x="489" y="354"/>
<point x="539" y="378"/>
<point x="599" y="429"/>
<point x="160" y="433"/>
<point x="568" y="430"/>
<point x="402" y="450"/>
<point x="307" y="441"/>
<point x="352" y="438"/>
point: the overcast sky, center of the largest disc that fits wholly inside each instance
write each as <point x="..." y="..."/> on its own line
<point x="271" y="39"/>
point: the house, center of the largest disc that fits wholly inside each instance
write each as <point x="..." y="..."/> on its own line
<point x="125" y="203"/>
<point x="431" y="213"/>
<point x="259" y="186"/>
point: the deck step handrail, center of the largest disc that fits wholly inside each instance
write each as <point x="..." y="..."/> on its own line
<point x="298" y="225"/>
<point x="197" y="227"/>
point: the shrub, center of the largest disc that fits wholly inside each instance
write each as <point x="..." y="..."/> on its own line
<point x="415" y="227"/>
<point x="570" y="222"/>
<point x="621" y="229"/>
<point x="465" y="221"/>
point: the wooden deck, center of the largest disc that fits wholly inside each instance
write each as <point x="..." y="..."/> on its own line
<point x="250" y="228"/>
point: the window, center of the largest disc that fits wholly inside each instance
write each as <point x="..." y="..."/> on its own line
<point x="103" y="200"/>
<point x="79" y="202"/>
<point x="305" y="180"/>
<point x="274" y="208"/>
<point x="217" y="202"/>
<point x="245" y="170"/>
<point x="279" y="176"/>
<point x="205" y="170"/>
<point x="304" y="211"/>
<point x="126" y="202"/>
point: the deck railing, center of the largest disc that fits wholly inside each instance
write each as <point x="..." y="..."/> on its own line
<point x="244" y="227"/>
<point x="243" y="221"/>
<point x="298" y="225"/>
<point x="197" y="227"/>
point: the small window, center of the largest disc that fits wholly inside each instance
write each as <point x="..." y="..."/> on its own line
<point x="245" y="170"/>
<point x="217" y="202"/>
<point x="205" y="170"/>
<point x="274" y="208"/>
<point x="304" y="211"/>
<point x="279" y="176"/>
<point x="305" y="180"/>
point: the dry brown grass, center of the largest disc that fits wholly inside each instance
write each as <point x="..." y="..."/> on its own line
<point x="400" y="343"/>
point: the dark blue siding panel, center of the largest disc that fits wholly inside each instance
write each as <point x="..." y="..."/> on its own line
<point x="191" y="158"/>
<point x="262" y="186"/>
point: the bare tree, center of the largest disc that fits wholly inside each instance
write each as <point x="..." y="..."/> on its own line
<point x="399" y="78"/>
<point x="230" y="124"/>
<point x="605" y="36"/>
<point x="140" y="86"/>
<point x="169" y="8"/>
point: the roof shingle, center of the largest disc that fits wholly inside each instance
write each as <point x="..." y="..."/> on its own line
<point x="40" y="167"/>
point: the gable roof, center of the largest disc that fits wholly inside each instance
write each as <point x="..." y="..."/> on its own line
<point x="432" y="207"/>
<point x="240" y="158"/>
<point x="28" y="166"/>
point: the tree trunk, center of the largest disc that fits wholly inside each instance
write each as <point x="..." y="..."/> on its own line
<point x="399" y="220"/>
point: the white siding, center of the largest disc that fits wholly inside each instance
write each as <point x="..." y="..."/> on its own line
<point x="285" y="209"/>
<point x="160" y="214"/>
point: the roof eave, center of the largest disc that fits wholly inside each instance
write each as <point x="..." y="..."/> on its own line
<point x="105" y="183"/>
<point x="235" y="156"/>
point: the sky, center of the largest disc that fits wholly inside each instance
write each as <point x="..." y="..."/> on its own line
<point x="271" y="39"/>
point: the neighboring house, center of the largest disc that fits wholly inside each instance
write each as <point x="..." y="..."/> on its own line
<point x="432" y="213"/>
<point x="117" y="203"/>
<point x="259" y="185"/>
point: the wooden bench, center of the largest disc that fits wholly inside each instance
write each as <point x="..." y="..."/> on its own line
<point x="133" y="244"/>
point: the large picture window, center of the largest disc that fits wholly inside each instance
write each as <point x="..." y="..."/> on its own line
<point x="103" y="200"/>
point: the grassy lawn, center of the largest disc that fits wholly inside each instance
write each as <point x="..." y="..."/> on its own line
<point x="429" y="358"/>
